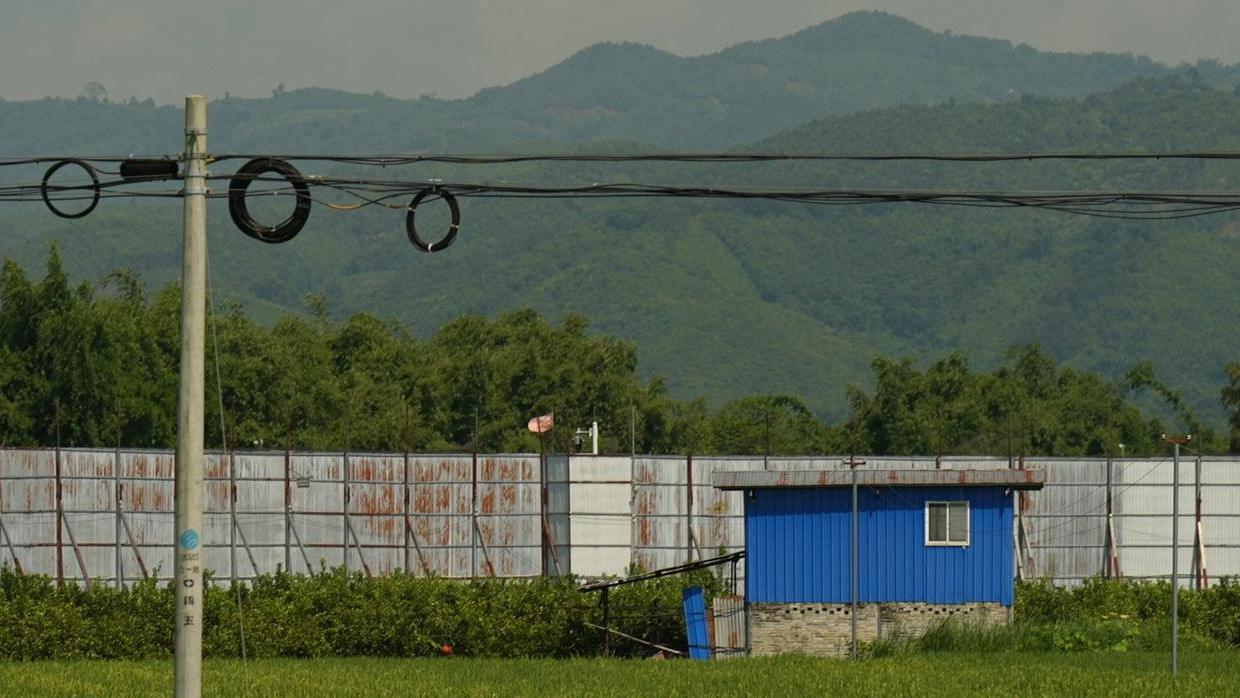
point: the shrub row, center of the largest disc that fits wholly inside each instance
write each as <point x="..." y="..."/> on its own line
<point x="337" y="614"/>
<point x="1212" y="613"/>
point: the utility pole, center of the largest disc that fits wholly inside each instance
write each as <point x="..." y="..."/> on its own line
<point x="854" y="577"/>
<point x="188" y="581"/>
<point x="1175" y="551"/>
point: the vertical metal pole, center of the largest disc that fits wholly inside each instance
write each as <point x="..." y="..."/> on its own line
<point x="60" y="509"/>
<point x="17" y="564"/>
<point x="606" y="623"/>
<point x="288" y="511"/>
<point x="405" y="508"/>
<point x="344" y="484"/>
<point x="116" y="492"/>
<point x="232" y="517"/>
<point x="1198" y="563"/>
<point x="766" y="452"/>
<point x="1175" y="561"/>
<point x="473" y="507"/>
<point x="689" y="508"/>
<point x="1109" y="549"/>
<point x="632" y="485"/>
<point x="188" y="582"/>
<point x="542" y="498"/>
<point x="632" y="431"/>
<point x="854" y="567"/>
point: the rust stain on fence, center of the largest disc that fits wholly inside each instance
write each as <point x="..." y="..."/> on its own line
<point x="216" y="466"/>
<point x="384" y="502"/>
<point x="389" y="528"/>
<point x="373" y="469"/>
<point x="143" y="497"/>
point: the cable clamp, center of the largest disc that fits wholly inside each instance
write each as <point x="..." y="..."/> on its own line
<point x="195" y="191"/>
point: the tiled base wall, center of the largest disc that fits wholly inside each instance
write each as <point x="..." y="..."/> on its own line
<point x="826" y="629"/>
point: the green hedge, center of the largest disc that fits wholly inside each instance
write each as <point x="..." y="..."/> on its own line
<point x="337" y="614"/>
<point x="1212" y="613"/>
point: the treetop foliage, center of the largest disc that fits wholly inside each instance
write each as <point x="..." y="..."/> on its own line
<point x="94" y="366"/>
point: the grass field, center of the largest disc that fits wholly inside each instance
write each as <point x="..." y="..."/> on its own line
<point x="931" y="674"/>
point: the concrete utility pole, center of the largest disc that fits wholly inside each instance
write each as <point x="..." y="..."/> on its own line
<point x="1175" y="551"/>
<point x="188" y="563"/>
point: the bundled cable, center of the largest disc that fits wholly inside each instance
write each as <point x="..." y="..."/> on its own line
<point x="94" y="188"/>
<point x="286" y="229"/>
<point x="412" y="231"/>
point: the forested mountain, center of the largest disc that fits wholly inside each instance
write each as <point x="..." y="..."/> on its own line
<point x="735" y="298"/>
<point x="857" y="62"/>
<point x="728" y="299"/>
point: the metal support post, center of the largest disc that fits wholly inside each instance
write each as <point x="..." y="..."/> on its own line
<point x="1175" y="562"/>
<point x="854" y="562"/>
<point x="116" y="496"/>
<point x="1200" y="579"/>
<point x="473" y="506"/>
<point x="77" y="553"/>
<point x="232" y="517"/>
<point x="344" y="484"/>
<point x="854" y="584"/>
<point x="542" y="500"/>
<point x="1175" y="551"/>
<point x="1110" y="560"/>
<point x="133" y="542"/>
<point x="404" y="511"/>
<point x="17" y="565"/>
<point x="288" y="512"/>
<point x="606" y="603"/>
<point x="689" y="508"/>
<point x="60" y="509"/>
<point x="632" y="485"/>
<point x="188" y="563"/>
<point x="486" y="554"/>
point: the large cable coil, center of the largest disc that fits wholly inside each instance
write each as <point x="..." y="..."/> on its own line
<point x="412" y="231"/>
<point x="238" y="188"/>
<point x="94" y="188"/>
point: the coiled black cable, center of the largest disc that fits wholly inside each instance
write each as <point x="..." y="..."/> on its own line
<point x="284" y="230"/>
<point x="412" y="231"/>
<point x="94" y="187"/>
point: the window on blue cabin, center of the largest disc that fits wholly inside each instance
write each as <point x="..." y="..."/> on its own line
<point x="947" y="523"/>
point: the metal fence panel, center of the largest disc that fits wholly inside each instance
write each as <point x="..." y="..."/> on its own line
<point x="459" y="515"/>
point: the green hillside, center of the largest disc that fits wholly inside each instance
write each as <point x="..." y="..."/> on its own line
<point x="735" y="298"/>
<point x="857" y="62"/>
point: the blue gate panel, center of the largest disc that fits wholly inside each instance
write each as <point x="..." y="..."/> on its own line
<point x="695" y="622"/>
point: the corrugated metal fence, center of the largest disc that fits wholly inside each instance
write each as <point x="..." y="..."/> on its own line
<point x="107" y="514"/>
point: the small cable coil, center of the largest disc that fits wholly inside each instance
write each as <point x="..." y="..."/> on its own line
<point x="238" y="186"/>
<point x="412" y="231"/>
<point x="94" y="187"/>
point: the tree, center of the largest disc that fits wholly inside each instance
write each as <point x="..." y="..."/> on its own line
<point x="95" y="91"/>
<point x="1231" y="400"/>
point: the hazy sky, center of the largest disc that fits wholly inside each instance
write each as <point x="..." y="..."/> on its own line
<point x="168" y="48"/>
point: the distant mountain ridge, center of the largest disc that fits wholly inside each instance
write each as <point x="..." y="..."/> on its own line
<point x="733" y="298"/>
<point x="857" y="62"/>
<point x="728" y="298"/>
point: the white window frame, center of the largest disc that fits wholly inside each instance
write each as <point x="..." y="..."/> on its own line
<point x="968" y="529"/>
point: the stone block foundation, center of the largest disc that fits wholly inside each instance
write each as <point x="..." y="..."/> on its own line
<point x="825" y="630"/>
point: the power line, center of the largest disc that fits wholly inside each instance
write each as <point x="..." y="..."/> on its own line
<point x="289" y="181"/>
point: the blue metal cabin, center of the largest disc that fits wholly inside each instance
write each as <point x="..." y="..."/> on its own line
<point x="798" y="533"/>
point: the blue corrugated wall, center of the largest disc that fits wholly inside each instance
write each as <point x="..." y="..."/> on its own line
<point x="798" y="546"/>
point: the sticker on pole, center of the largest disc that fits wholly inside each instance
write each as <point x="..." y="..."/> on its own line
<point x="189" y="539"/>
